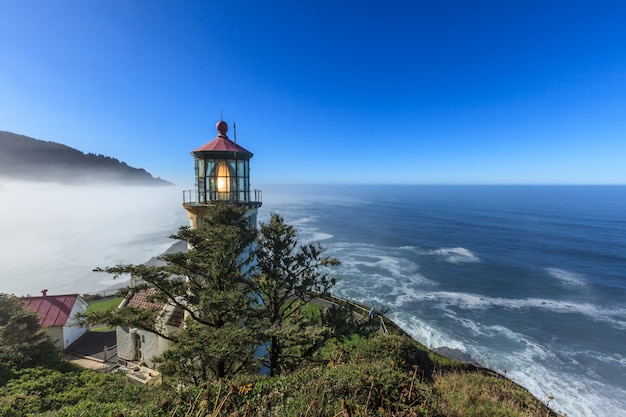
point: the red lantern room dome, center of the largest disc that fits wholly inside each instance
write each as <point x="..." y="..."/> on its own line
<point x="220" y="144"/>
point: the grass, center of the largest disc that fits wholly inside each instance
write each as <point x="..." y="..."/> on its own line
<point x="312" y="309"/>
<point x="476" y="394"/>
<point x="384" y="375"/>
<point x="380" y="376"/>
<point x="102" y="305"/>
<point x="101" y="329"/>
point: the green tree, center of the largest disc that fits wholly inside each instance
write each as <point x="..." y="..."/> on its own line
<point x="23" y="344"/>
<point x="208" y="282"/>
<point x="287" y="276"/>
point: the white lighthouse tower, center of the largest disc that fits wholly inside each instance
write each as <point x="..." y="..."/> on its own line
<point x="222" y="170"/>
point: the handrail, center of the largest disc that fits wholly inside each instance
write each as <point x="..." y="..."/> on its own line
<point x="191" y="197"/>
<point x="382" y="323"/>
<point x="353" y="306"/>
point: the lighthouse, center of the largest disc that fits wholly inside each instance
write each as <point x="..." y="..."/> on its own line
<point x="222" y="174"/>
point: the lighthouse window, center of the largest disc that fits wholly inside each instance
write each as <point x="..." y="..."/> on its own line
<point x="221" y="181"/>
<point x="201" y="189"/>
<point x="200" y="168"/>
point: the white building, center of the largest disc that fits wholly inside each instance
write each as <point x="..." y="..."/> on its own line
<point x="56" y="316"/>
<point x="142" y="346"/>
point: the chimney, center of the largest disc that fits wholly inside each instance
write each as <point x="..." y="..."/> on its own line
<point x="44" y="293"/>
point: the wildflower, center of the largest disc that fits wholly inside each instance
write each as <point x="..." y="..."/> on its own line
<point x="244" y="389"/>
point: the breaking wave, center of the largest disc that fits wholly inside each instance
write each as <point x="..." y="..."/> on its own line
<point x="456" y="255"/>
<point x="567" y="277"/>
<point x="466" y="301"/>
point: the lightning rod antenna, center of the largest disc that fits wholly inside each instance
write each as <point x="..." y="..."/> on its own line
<point x="236" y="163"/>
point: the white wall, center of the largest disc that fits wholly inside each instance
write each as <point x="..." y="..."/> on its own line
<point x="73" y="333"/>
<point x="152" y="345"/>
<point x="124" y="343"/>
<point x="56" y="334"/>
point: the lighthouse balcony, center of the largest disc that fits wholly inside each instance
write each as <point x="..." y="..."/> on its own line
<point x="251" y="199"/>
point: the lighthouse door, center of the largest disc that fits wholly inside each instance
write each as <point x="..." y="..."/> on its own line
<point x="137" y="347"/>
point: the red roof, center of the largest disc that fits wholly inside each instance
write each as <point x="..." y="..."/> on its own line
<point x="53" y="310"/>
<point x="222" y="144"/>
<point x="141" y="299"/>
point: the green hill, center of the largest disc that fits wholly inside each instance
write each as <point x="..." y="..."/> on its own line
<point x="27" y="159"/>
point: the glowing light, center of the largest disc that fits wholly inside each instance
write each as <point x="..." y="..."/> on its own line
<point x="223" y="181"/>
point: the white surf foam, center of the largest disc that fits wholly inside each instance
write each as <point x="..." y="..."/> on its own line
<point x="456" y="255"/>
<point x="385" y="261"/>
<point x="566" y="277"/>
<point x="428" y="335"/>
<point x="467" y="301"/>
<point x="318" y="236"/>
<point x="387" y="274"/>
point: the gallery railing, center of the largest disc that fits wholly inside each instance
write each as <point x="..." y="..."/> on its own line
<point x="195" y="198"/>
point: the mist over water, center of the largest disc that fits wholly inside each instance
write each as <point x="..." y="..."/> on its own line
<point x="53" y="236"/>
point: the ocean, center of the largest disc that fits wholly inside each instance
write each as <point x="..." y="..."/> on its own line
<point x="528" y="280"/>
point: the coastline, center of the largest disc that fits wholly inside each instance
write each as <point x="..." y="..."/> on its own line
<point x="444" y="351"/>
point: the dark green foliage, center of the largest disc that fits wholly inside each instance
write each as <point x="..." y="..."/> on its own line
<point x="204" y="353"/>
<point x="22" y="342"/>
<point x="373" y="376"/>
<point x="144" y="318"/>
<point x="286" y="276"/>
<point x="216" y="286"/>
<point x="229" y="314"/>
<point x="18" y="326"/>
<point x="403" y="351"/>
<point x="75" y="392"/>
<point x="366" y="382"/>
<point x="344" y="323"/>
<point x="216" y="296"/>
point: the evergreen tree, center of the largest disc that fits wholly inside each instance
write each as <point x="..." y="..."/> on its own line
<point x="288" y="275"/>
<point x="209" y="284"/>
<point x="23" y="344"/>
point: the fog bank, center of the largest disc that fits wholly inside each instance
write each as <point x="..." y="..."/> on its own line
<point x="53" y="236"/>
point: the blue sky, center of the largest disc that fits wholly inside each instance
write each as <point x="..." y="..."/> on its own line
<point x="420" y="92"/>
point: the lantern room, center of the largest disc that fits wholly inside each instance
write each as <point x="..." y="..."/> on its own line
<point x="222" y="173"/>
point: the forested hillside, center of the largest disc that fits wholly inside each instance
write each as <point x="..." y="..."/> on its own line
<point x="25" y="158"/>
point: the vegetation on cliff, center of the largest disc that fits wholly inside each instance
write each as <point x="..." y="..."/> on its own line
<point x="27" y="159"/>
<point x="380" y="375"/>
